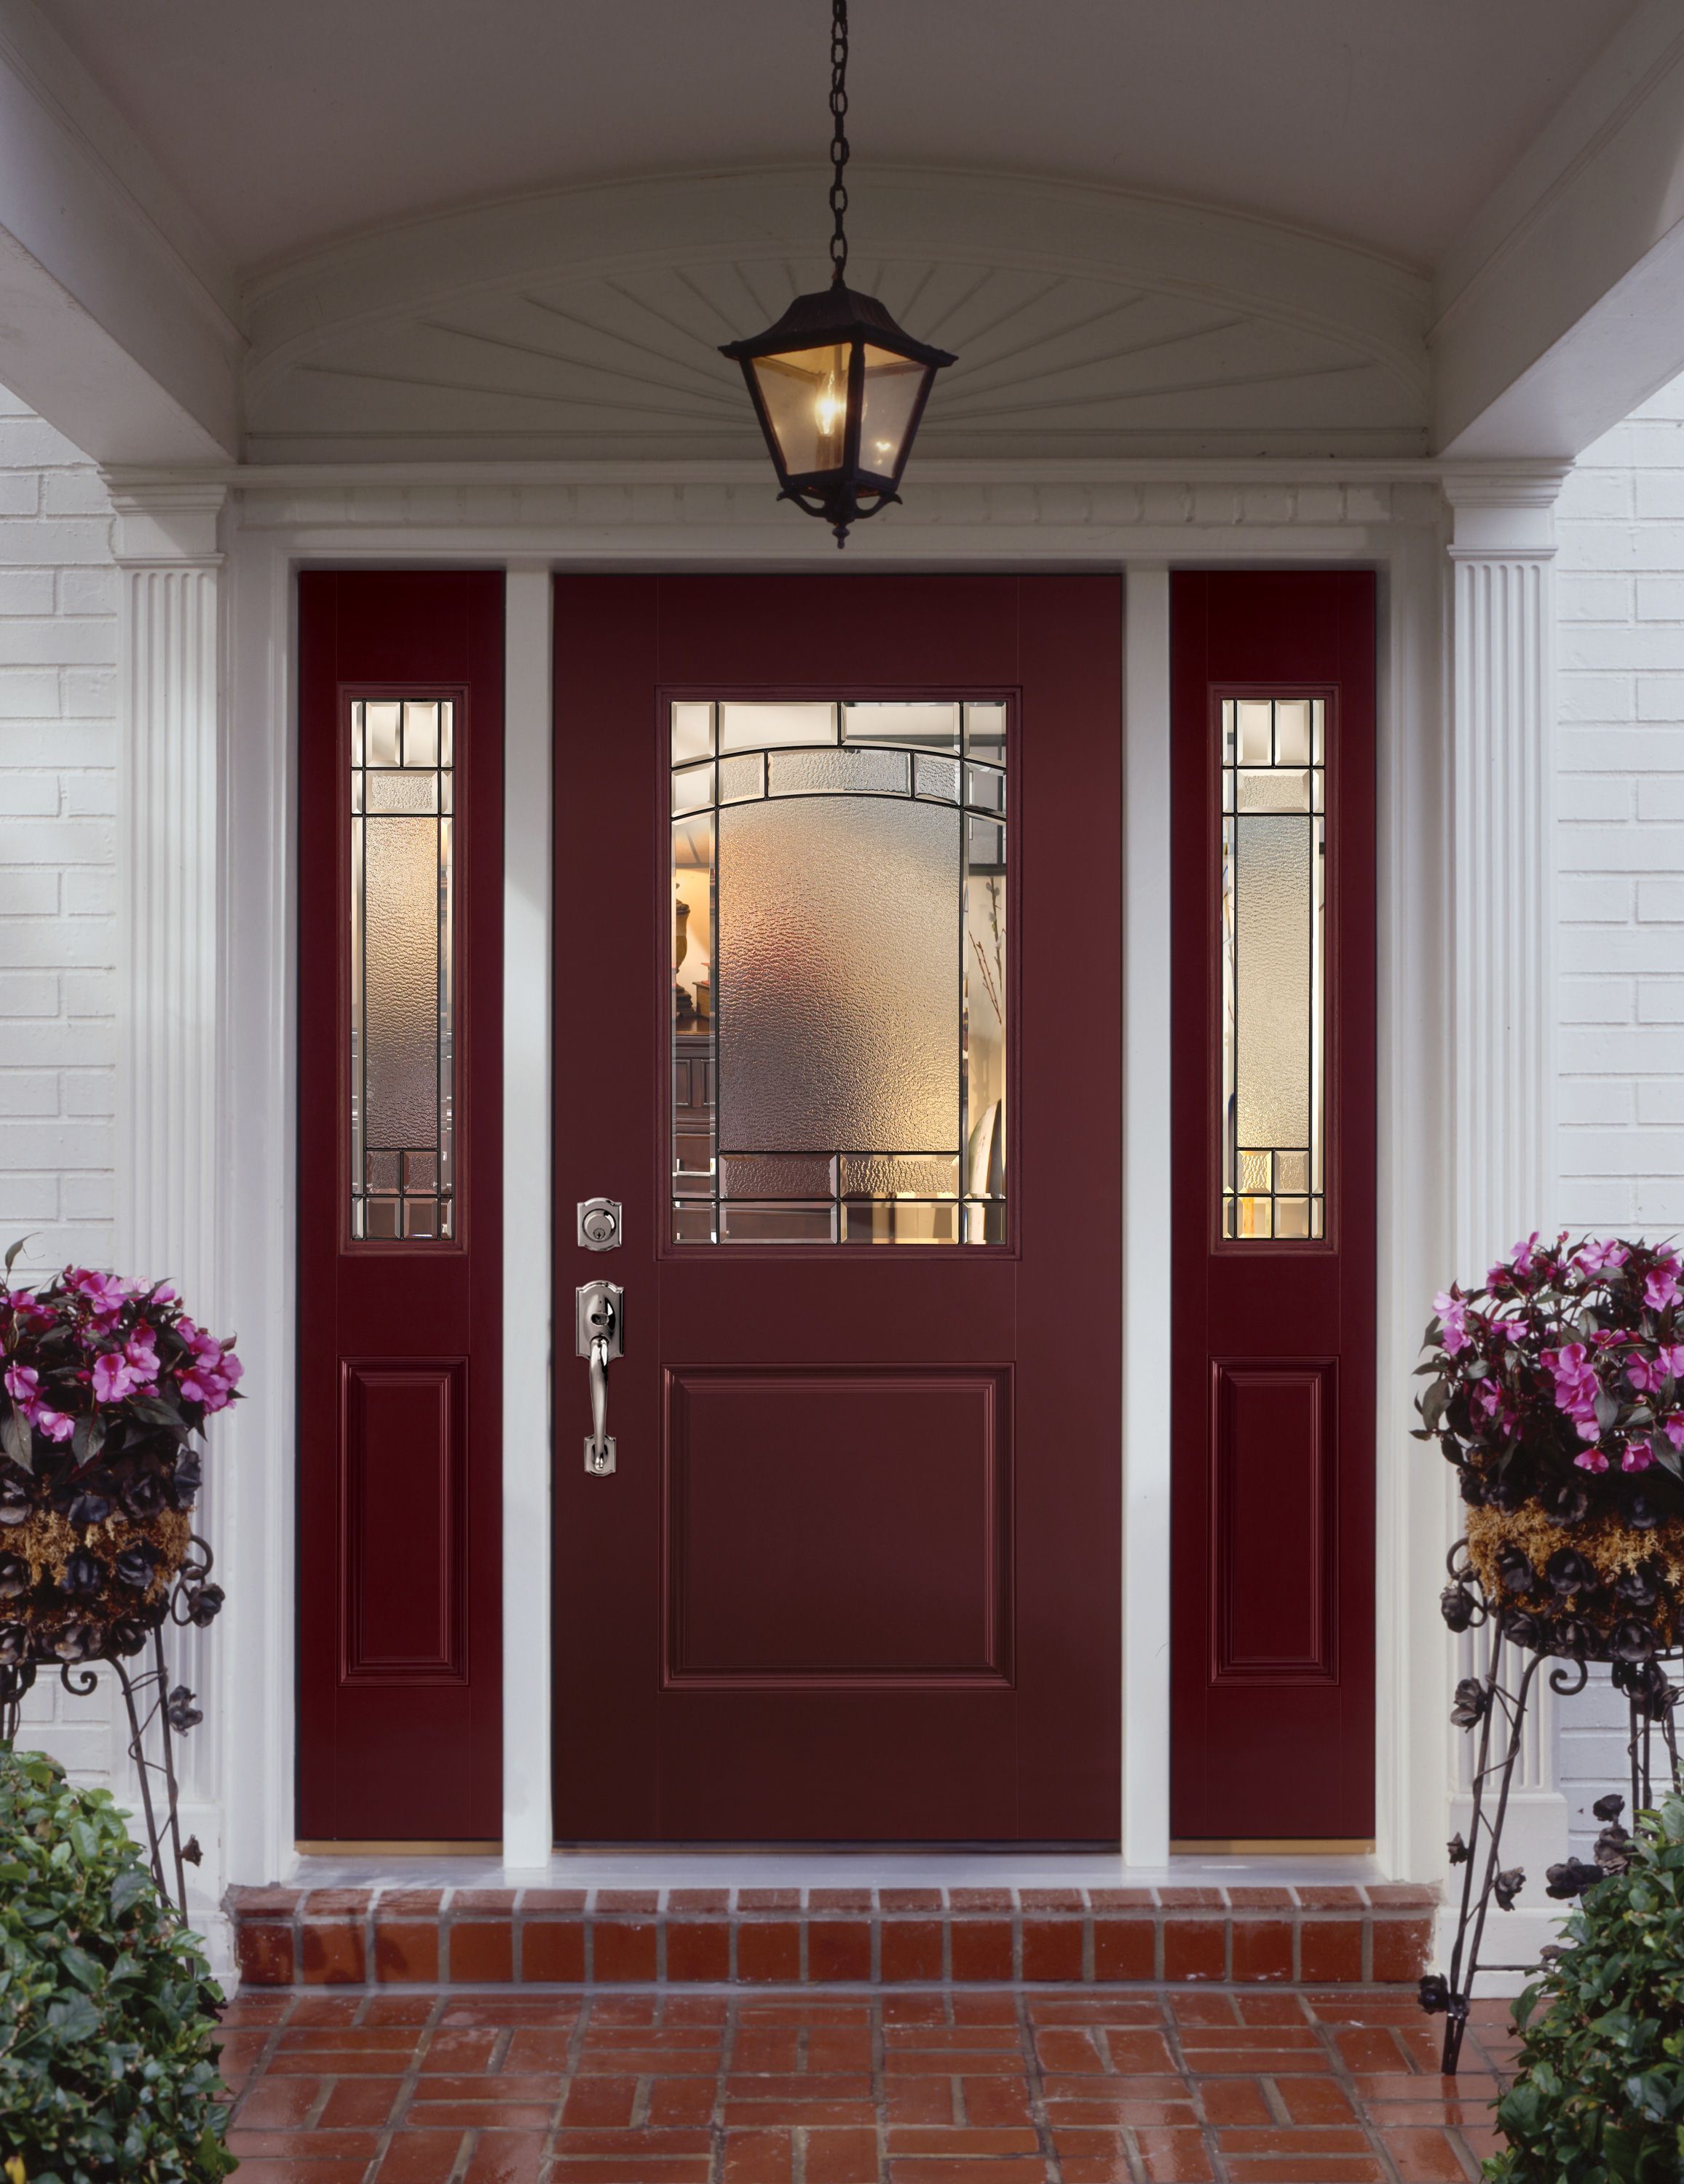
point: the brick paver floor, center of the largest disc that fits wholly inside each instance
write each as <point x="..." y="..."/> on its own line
<point x="990" y="2085"/>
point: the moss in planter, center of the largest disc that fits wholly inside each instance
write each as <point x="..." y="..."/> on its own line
<point x="1614" y="1549"/>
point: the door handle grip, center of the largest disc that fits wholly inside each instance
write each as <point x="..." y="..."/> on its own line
<point x="598" y="1401"/>
<point x="601" y="1339"/>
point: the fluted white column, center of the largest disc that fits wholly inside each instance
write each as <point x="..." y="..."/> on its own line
<point x="1502" y="960"/>
<point x="169" y="1139"/>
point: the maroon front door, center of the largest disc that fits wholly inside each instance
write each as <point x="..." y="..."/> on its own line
<point x="1273" y="1259"/>
<point x="400" y="826"/>
<point x="838" y="1023"/>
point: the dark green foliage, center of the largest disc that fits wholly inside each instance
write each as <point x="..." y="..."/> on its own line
<point x="1599" y="2099"/>
<point x="106" y="2065"/>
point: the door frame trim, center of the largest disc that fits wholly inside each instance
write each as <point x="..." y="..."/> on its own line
<point x="1214" y="516"/>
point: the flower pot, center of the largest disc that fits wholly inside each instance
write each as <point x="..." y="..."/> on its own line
<point x="1599" y="1590"/>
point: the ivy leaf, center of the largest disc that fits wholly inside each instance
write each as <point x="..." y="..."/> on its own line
<point x="87" y="1438"/>
<point x="156" y="1412"/>
<point x="17" y="1441"/>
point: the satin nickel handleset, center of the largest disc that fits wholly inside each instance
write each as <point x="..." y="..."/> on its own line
<point x="601" y="1339"/>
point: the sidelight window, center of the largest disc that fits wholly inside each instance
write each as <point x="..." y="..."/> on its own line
<point x="839" y="972"/>
<point x="1273" y="818"/>
<point x="402" y="995"/>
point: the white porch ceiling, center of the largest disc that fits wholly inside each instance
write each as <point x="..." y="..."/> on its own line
<point x="285" y="125"/>
<point x="442" y="230"/>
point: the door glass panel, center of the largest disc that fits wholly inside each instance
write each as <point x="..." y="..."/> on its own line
<point x="839" y="969"/>
<point x="1274" y="957"/>
<point x="403" y="1028"/>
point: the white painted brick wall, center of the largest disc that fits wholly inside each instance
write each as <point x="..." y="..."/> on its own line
<point x="58" y="901"/>
<point x="1620" y="935"/>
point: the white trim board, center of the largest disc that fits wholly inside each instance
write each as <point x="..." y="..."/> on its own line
<point x="1139" y="525"/>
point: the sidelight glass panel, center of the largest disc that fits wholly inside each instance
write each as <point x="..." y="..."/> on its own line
<point x="839" y="976"/>
<point x="403" y="1001"/>
<point x="1273" y="967"/>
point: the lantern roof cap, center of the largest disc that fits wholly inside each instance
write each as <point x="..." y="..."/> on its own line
<point x="836" y="314"/>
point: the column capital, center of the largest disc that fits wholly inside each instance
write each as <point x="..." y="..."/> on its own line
<point x="167" y="526"/>
<point x="1504" y="515"/>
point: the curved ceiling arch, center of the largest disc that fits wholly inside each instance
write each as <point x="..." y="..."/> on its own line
<point x="584" y="322"/>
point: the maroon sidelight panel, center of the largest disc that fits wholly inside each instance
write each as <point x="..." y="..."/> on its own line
<point x="1273" y="1347"/>
<point x="856" y="1575"/>
<point x="400" y="1401"/>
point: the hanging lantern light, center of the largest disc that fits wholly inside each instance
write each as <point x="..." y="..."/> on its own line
<point x="838" y="388"/>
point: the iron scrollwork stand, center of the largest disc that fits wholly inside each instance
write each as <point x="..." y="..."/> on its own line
<point x="1495" y="1703"/>
<point x="156" y="1716"/>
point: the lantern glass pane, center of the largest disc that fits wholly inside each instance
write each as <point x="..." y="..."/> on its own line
<point x="893" y="385"/>
<point x="806" y="393"/>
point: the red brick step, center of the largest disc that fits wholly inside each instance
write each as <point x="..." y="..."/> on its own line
<point x="1318" y="1937"/>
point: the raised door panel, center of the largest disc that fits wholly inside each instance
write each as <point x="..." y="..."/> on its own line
<point x="831" y="1529"/>
<point x="405" y="1521"/>
<point x="1274" y="1523"/>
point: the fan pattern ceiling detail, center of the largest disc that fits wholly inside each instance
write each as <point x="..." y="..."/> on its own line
<point x="623" y="364"/>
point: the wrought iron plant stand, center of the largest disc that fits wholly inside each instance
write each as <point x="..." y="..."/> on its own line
<point x="1494" y="1705"/>
<point x="156" y="1714"/>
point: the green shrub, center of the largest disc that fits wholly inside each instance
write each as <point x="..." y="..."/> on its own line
<point x="1599" y="2094"/>
<point x="106" y="2064"/>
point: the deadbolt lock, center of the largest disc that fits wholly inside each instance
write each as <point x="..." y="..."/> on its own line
<point x="600" y="1224"/>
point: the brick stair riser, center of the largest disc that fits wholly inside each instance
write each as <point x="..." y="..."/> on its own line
<point x="491" y="1937"/>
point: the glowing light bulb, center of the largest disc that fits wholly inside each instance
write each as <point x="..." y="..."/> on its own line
<point x="830" y="407"/>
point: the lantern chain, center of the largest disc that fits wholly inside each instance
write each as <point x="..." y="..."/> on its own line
<point x="839" y="136"/>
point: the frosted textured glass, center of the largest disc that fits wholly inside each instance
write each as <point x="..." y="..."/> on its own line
<point x="881" y="1175"/>
<point x="403" y="792"/>
<point x="1273" y="905"/>
<point x="938" y="777"/>
<point x="1277" y="790"/>
<point x="741" y="776"/>
<point x="837" y="975"/>
<point x="400" y="981"/>
<point x="835" y="772"/>
<point x="777" y="1175"/>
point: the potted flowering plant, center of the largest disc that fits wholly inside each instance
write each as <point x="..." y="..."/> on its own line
<point x="1557" y="1391"/>
<point x="103" y="1386"/>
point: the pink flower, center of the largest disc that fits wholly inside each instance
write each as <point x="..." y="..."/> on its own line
<point x="1660" y="1288"/>
<point x="1594" y="1258"/>
<point x="107" y="1294"/>
<point x="22" y="1382"/>
<point x="114" y="1376"/>
<point x="1508" y="1330"/>
<point x="141" y="1353"/>
<point x="1591" y="1459"/>
<point x="1674" y="1429"/>
<point x="165" y="1293"/>
<point x="1671" y="1357"/>
<point x="1638" y="1456"/>
<point x="1453" y="1312"/>
<point x="53" y="1424"/>
<point x="1486" y="1396"/>
<point x="1645" y="1374"/>
<point x="202" y="1386"/>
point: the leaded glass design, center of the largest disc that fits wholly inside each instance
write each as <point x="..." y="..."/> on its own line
<point x="1273" y="967"/>
<point x="403" y="987"/>
<point x="839" y="972"/>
